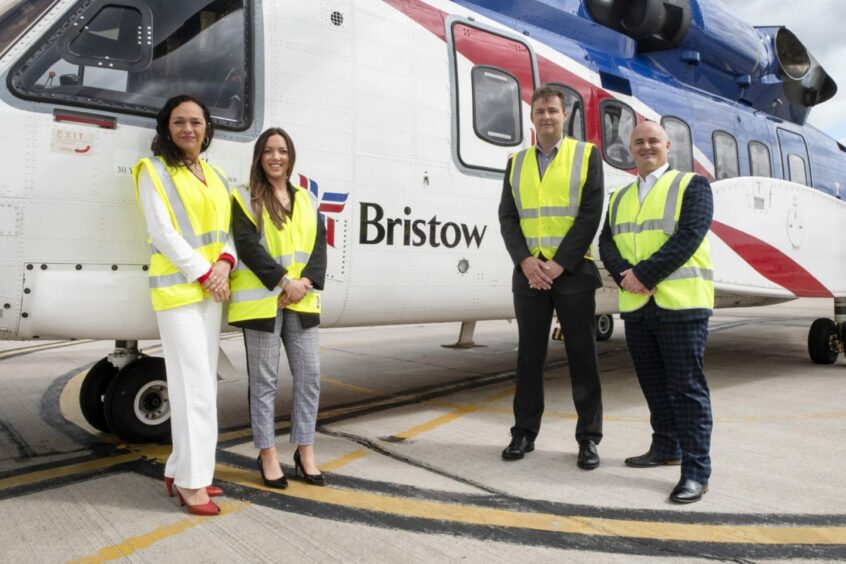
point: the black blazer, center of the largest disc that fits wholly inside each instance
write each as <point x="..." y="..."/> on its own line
<point x="580" y="274"/>
<point x="270" y="272"/>
<point x="697" y="211"/>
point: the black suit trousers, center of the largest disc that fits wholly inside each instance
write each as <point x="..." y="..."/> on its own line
<point x="577" y="313"/>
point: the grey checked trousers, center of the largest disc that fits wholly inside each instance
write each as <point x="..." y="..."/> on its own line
<point x="301" y="348"/>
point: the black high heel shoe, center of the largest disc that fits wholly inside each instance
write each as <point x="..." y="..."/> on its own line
<point x="313" y="479"/>
<point x="278" y="483"/>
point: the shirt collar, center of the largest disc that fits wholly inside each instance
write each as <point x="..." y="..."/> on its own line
<point x="552" y="151"/>
<point x="655" y="174"/>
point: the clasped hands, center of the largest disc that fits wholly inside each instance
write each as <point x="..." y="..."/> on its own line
<point x="217" y="284"/>
<point x="540" y="273"/>
<point x="631" y="283"/>
<point x="293" y="292"/>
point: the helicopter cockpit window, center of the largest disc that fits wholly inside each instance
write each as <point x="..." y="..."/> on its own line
<point x="496" y="106"/>
<point x="618" y="121"/>
<point x="132" y="55"/>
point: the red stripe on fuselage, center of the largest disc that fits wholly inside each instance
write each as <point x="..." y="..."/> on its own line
<point x="771" y="263"/>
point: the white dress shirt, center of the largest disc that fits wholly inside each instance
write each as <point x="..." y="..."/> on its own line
<point x="644" y="185"/>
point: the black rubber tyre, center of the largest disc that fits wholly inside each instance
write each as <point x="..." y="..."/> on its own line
<point x="93" y="391"/>
<point x="136" y="406"/>
<point x="604" y="327"/>
<point x="823" y="345"/>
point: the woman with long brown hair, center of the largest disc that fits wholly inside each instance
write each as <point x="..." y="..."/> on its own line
<point x="281" y="243"/>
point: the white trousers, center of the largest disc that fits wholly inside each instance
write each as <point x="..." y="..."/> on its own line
<point x="190" y="341"/>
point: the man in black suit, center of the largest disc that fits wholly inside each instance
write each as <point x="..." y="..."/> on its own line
<point x="550" y="210"/>
<point x="653" y="245"/>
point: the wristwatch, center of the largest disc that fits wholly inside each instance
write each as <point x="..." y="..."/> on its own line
<point x="285" y="281"/>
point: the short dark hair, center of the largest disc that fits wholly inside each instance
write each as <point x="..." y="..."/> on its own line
<point x="163" y="145"/>
<point x="547" y="90"/>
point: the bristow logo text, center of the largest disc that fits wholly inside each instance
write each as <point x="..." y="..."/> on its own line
<point x="376" y="228"/>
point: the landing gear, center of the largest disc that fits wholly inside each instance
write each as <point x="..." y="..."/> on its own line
<point x="824" y="345"/>
<point x="93" y="393"/>
<point x="826" y="337"/>
<point x="126" y="394"/>
<point x="604" y="327"/>
<point x="136" y="405"/>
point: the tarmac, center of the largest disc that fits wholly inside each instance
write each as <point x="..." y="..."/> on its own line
<point x="409" y="437"/>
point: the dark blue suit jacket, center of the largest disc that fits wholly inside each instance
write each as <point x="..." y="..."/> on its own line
<point x="697" y="210"/>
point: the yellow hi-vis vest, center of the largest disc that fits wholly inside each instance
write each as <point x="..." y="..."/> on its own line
<point x="640" y="230"/>
<point x="200" y="213"/>
<point x="290" y="246"/>
<point x="548" y="206"/>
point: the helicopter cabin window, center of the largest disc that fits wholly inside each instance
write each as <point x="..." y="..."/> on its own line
<point x="618" y="121"/>
<point x="681" y="150"/>
<point x="726" y="163"/>
<point x="796" y="167"/>
<point x="575" y="126"/>
<point x="132" y="55"/>
<point x="496" y="106"/>
<point x="759" y="159"/>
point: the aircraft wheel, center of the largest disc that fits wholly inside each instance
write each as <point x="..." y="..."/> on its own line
<point x="823" y="344"/>
<point x="604" y="327"/>
<point x="137" y="406"/>
<point x="93" y="391"/>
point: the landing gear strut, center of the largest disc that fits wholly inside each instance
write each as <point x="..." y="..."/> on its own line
<point x="826" y="337"/>
<point x="126" y="394"/>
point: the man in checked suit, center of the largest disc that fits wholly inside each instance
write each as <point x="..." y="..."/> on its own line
<point x="653" y="244"/>
<point x="550" y="210"/>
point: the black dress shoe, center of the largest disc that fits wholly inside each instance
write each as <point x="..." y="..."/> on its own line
<point x="519" y="446"/>
<point x="588" y="455"/>
<point x="688" y="491"/>
<point x="278" y="483"/>
<point x="650" y="460"/>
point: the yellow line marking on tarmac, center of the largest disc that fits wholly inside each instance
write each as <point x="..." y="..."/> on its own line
<point x="146" y="540"/>
<point x="459" y="411"/>
<point x="44" y="347"/>
<point x="341" y="461"/>
<point x="70" y="469"/>
<point x="589" y="526"/>
<point x="353" y="387"/>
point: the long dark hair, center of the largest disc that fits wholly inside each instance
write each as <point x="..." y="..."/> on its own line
<point x="163" y="145"/>
<point x="260" y="188"/>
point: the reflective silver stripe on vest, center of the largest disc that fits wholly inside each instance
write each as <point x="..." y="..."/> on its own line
<point x="615" y="208"/>
<point x="633" y="227"/>
<point x="575" y="180"/>
<point x="544" y="241"/>
<point x="670" y="205"/>
<point x="222" y="178"/>
<point x="254" y="295"/>
<point x="167" y="280"/>
<point x="515" y="185"/>
<point x="691" y="272"/>
<point x="196" y="241"/>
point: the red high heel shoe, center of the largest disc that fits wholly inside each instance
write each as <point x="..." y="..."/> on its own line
<point x="213" y="491"/>
<point x="209" y="508"/>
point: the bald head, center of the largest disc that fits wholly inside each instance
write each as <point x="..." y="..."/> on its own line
<point x="649" y="146"/>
